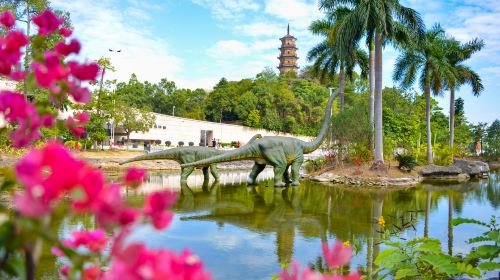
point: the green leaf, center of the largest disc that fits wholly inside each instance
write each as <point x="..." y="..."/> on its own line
<point x="430" y="246"/>
<point x="407" y="272"/>
<point x="494" y="236"/>
<point x="488" y="251"/>
<point x="441" y="264"/>
<point x="478" y="239"/>
<point x="489" y="266"/>
<point x="468" y="269"/>
<point x="459" y="221"/>
<point x="390" y="259"/>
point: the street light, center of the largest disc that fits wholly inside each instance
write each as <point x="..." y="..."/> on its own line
<point x="173" y="111"/>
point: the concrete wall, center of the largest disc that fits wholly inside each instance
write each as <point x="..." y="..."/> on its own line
<point x="189" y="130"/>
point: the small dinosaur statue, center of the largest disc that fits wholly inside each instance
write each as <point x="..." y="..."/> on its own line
<point x="187" y="155"/>
<point x="278" y="151"/>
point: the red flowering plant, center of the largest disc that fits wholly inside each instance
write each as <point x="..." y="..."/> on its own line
<point x="47" y="177"/>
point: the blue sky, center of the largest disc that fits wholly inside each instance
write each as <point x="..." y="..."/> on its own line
<point x="196" y="42"/>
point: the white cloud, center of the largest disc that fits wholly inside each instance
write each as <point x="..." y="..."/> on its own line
<point x="104" y="27"/>
<point x="260" y="28"/>
<point x="228" y="9"/>
<point x="300" y="13"/>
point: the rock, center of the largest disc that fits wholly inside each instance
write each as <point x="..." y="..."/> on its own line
<point x="444" y="173"/>
<point x="436" y="170"/>
<point x="473" y="168"/>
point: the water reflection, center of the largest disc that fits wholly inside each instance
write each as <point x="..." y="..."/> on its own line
<point x="245" y="232"/>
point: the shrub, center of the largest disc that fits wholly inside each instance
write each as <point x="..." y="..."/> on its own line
<point x="406" y="161"/>
<point x="191" y="144"/>
<point x="181" y="143"/>
<point x="168" y="143"/>
<point x="315" y="164"/>
<point x="443" y="154"/>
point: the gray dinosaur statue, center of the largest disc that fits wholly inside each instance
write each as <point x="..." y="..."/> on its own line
<point x="278" y="151"/>
<point x="187" y="155"/>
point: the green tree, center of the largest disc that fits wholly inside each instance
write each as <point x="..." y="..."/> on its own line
<point x="428" y="61"/>
<point x="133" y="119"/>
<point x="478" y="133"/>
<point x="326" y="55"/>
<point x="492" y="140"/>
<point x="457" y="54"/>
<point x="381" y="21"/>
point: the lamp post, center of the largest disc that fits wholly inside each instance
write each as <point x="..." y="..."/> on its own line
<point x="173" y="111"/>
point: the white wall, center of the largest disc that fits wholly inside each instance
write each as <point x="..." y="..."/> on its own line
<point x="189" y="130"/>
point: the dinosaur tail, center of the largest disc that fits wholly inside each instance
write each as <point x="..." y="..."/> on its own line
<point x="167" y="154"/>
<point x="245" y="152"/>
<point x="309" y="147"/>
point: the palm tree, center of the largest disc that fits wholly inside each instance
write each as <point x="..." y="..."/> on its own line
<point x="380" y="21"/>
<point x="430" y="61"/>
<point x="327" y="58"/>
<point x="457" y="54"/>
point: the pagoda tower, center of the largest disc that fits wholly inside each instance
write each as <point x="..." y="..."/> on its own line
<point x="288" y="53"/>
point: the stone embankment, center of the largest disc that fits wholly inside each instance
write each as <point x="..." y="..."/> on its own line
<point x="460" y="171"/>
<point x="366" y="181"/>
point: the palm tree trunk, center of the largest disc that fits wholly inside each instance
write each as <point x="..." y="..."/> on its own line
<point x="372" y="88"/>
<point x="341" y="86"/>
<point x="452" y="116"/>
<point x="428" y="120"/>
<point x="379" y="134"/>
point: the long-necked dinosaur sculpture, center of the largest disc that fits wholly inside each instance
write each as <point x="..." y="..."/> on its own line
<point x="187" y="155"/>
<point x="278" y="151"/>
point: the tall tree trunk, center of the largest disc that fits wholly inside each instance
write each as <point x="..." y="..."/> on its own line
<point x="26" y="56"/>
<point x="341" y="86"/>
<point x="372" y="90"/>
<point x="428" y="119"/>
<point x="452" y="116"/>
<point x="100" y="93"/>
<point x="379" y="134"/>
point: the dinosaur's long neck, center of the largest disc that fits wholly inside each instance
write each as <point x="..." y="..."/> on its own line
<point x="167" y="154"/>
<point x="309" y="147"/>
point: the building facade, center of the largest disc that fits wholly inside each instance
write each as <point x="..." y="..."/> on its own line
<point x="288" y="53"/>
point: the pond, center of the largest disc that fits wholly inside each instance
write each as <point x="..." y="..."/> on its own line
<point x="245" y="232"/>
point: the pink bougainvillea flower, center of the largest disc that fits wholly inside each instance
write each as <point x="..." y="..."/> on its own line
<point x="65" y="270"/>
<point x="92" y="183"/>
<point x="309" y="274"/>
<point x="10" y="50"/>
<point x="285" y="274"/>
<point x="95" y="240"/>
<point x="80" y="94"/>
<point x="66" y="49"/>
<point x="138" y="262"/>
<point x="76" y="124"/>
<point x="47" y="22"/>
<point x="338" y="256"/>
<point x="91" y="273"/>
<point x="17" y="109"/>
<point x="84" y="72"/>
<point x="65" y="32"/>
<point x="50" y="71"/>
<point x="156" y="205"/>
<point x="30" y="206"/>
<point x="7" y="19"/>
<point x="18" y="75"/>
<point x="110" y="209"/>
<point x="134" y="176"/>
<point x="56" y="252"/>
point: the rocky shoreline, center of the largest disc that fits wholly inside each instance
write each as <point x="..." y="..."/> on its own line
<point x="366" y="181"/>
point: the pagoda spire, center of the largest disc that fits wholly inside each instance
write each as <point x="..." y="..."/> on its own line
<point x="288" y="53"/>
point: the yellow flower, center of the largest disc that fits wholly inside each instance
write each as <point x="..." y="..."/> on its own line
<point x="347" y="243"/>
<point x="381" y="221"/>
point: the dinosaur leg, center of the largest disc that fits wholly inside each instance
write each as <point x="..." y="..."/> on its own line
<point x="256" y="169"/>
<point x="295" y="170"/>
<point x="206" y="174"/>
<point x="213" y="170"/>
<point x="276" y="156"/>
<point x="185" y="172"/>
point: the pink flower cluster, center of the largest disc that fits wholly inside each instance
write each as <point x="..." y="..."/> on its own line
<point x="10" y="44"/>
<point x="16" y="109"/>
<point x="134" y="176"/>
<point x="336" y="257"/>
<point x="44" y="173"/>
<point x="136" y="262"/>
<point x="76" y="124"/>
